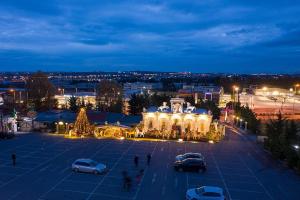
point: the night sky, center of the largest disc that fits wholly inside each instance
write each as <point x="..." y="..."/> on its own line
<point x="253" y="36"/>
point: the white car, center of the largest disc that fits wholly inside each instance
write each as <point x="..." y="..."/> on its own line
<point x="189" y="155"/>
<point x="89" y="166"/>
<point x="205" y="193"/>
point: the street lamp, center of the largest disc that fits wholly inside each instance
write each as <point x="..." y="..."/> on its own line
<point x="235" y="91"/>
<point x="265" y="90"/>
<point x="296" y="86"/>
<point x="14" y="92"/>
<point x="62" y="91"/>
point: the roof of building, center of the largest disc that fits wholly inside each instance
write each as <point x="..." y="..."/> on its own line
<point x="95" y="117"/>
<point x="195" y="111"/>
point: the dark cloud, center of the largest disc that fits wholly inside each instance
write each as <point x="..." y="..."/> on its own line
<point x="212" y="35"/>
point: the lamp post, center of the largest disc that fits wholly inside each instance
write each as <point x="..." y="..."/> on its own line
<point x="265" y="90"/>
<point x="295" y="87"/>
<point x="61" y="90"/>
<point x="14" y="93"/>
<point x="235" y="90"/>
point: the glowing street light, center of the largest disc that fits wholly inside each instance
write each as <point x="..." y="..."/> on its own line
<point x="265" y="88"/>
<point x="296" y="86"/>
<point x="180" y="140"/>
<point x="235" y="91"/>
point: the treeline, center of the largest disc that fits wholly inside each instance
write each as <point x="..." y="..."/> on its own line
<point x="283" y="140"/>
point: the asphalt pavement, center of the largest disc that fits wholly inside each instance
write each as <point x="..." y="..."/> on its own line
<point x="43" y="170"/>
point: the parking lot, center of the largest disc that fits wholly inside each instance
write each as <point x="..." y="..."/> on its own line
<point x="43" y="169"/>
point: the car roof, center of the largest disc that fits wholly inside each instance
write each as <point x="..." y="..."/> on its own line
<point x="212" y="189"/>
<point x="195" y="159"/>
<point x="193" y="153"/>
<point x="87" y="160"/>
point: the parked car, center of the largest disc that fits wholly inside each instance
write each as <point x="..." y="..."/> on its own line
<point x="88" y="166"/>
<point x="190" y="164"/>
<point x="205" y="193"/>
<point x="189" y="155"/>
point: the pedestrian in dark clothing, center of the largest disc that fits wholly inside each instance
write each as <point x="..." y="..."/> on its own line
<point x="124" y="174"/>
<point x="148" y="158"/>
<point x="139" y="176"/>
<point x="13" y="157"/>
<point x="136" y="161"/>
<point x="128" y="183"/>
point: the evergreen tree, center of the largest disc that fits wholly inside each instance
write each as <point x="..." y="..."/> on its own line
<point x="138" y="102"/>
<point x="82" y="125"/>
<point x="73" y="106"/>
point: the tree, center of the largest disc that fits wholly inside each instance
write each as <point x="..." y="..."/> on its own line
<point x="157" y="100"/>
<point x="82" y="125"/>
<point x="73" y="106"/>
<point x="276" y="136"/>
<point x="190" y="99"/>
<point x="108" y="94"/>
<point x="138" y="102"/>
<point x="40" y="91"/>
<point x="117" y="106"/>
<point x="245" y="113"/>
<point x="211" y="106"/>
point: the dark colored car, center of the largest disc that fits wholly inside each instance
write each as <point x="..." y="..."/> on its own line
<point x="190" y="164"/>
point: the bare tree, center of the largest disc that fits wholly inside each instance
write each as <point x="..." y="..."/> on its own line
<point x="40" y="91"/>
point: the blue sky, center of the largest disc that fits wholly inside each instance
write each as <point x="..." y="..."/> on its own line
<point x="176" y="35"/>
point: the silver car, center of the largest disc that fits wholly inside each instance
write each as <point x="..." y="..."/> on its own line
<point x="189" y="155"/>
<point x="88" y="166"/>
<point x="205" y="193"/>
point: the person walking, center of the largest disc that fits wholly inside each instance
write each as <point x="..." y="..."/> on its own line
<point x="136" y="161"/>
<point x="124" y="174"/>
<point x="148" y="159"/>
<point x="139" y="176"/>
<point x="13" y="157"/>
<point x="128" y="183"/>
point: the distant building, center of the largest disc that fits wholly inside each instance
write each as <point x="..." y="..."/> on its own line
<point x="177" y="121"/>
<point x="86" y="97"/>
<point x="212" y="93"/>
<point x="273" y="92"/>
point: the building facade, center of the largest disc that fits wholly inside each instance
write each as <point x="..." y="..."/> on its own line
<point x="177" y="121"/>
<point x="86" y="97"/>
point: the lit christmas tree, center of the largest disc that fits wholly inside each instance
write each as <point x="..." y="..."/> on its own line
<point x="82" y="125"/>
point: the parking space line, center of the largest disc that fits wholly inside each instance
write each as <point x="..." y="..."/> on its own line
<point x="235" y="174"/>
<point x="76" y="181"/>
<point x="138" y="189"/>
<point x="242" y="190"/>
<point x="124" y="153"/>
<point x="33" y="169"/>
<point x="256" y="178"/>
<point x="221" y="175"/>
<point x="64" y="178"/>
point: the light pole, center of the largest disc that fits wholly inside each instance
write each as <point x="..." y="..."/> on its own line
<point x="235" y="90"/>
<point x="265" y="90"/>
<point x="14" y="93"/>
<point x="241" y="120"/>
<point x="62" y="91"/>
<point x="296" y="86"/>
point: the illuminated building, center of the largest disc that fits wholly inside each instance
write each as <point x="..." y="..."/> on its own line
<point x="176" y="121"/>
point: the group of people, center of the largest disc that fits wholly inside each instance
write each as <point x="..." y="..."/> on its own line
<point x="127" y="181"/>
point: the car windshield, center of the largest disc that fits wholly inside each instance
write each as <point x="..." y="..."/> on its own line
<point x="199" y="190"/>
<point x="93" y="163"/>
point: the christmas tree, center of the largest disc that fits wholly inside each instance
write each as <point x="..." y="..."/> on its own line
<point x="82" y="125"/>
